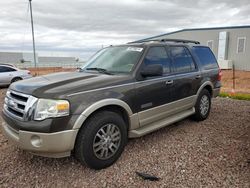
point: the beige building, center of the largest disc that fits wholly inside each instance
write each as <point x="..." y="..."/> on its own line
<point x="231" y="45"/>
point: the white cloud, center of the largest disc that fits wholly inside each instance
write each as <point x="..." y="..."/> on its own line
<point x="82" y="26"/>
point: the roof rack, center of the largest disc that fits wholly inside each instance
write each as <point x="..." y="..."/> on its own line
<point x="168" y="40"/>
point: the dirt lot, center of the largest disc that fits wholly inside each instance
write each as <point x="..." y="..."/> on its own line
<point x="212" y="153"/>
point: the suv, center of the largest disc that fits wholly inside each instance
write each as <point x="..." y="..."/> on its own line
<point x="9" y="74"/>
<point x="122" y="92"/>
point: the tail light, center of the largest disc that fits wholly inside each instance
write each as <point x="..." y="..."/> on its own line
<point x="219" y="75"/>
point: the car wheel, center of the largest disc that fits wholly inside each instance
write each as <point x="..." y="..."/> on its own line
<point x="101" y="140"/>
<point x="16" y="79"/>
<point x="202" y="106"/>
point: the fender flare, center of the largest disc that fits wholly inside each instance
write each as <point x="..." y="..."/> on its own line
<point x="206" y="83"/>
<point x="102" y="103"/>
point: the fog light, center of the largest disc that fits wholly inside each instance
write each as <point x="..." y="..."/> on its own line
<point x="36" y="141"/>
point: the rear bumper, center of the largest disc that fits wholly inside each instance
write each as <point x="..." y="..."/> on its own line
<point x="216" y="92"/>
<point x="58" y="144"/>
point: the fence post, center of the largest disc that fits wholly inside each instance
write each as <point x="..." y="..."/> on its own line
<point x="233" y="77"/>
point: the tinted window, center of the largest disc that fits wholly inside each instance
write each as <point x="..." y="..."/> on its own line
<point x="1" y="69"/>
<point x="206" y="57"/>
<point x="6" y="69"/>
<point x="182" y="59"/>
<point x="158" y="55"/>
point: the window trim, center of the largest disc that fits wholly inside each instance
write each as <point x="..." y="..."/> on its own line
<point x="244" y="48"/>
<point x="212" y="44"/>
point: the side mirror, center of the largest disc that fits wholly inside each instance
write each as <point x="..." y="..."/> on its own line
<point x="152" y="70"/>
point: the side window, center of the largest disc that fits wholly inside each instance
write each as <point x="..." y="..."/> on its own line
<point x="1" y="69"/>
<point x="8" y="69"/>
<point x="206" y="57"/>
<point x="158" y="55"/>
<point x="241" y="44"/>
<point x="182" y="59"/>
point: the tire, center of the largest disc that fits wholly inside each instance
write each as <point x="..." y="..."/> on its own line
<point x="87" y="146"/>
<point x="16" y="79"/>
<point x="202" y="106"/>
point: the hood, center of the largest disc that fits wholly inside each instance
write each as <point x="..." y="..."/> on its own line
<point x="61" y="84"/>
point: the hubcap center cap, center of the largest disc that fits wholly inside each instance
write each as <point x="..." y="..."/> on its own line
<point x="107" y="140"/>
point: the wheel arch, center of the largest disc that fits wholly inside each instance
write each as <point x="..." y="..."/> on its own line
<point x="15" y="77"/>
<point x="206" y="85"/>
<point x="116" y="105"/>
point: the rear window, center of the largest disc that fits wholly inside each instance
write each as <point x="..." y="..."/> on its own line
<point x="206" y="57"/>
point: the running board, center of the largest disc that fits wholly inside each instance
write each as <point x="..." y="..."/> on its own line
<point x="161" y="123"/>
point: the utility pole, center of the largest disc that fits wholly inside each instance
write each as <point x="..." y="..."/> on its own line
<point x="33" y="38"/>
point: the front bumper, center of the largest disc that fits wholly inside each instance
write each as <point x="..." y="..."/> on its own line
<point x="57" y="144"/>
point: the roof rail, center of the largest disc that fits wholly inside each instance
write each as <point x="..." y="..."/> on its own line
<point x="167" y="40"/>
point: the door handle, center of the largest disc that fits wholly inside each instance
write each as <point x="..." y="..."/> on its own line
<point x="197" y="76"/>
<point x="169" y="82"/>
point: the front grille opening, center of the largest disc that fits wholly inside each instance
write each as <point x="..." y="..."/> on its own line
<point x="19" y="114"/>
<point x="21" y="106"/>
<point x="18" y="97"/>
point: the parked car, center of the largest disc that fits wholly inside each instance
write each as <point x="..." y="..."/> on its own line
<point x="10" y="74"/>
<point x="122" y="92"/>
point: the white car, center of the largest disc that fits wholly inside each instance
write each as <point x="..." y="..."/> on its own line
<point x="10" y="74"/>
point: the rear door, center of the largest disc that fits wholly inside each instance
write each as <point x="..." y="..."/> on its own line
<point x="186" y="77"/>
<point x="153" y="93"/>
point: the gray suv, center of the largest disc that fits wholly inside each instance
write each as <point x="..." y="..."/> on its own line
<point x="122" y="92"/>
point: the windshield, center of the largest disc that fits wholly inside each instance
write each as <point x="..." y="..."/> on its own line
<point x="119" y="59"/>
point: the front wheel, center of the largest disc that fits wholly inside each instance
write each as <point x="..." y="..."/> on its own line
<point x="101" y="140"/>
<point x="202" y="106"/>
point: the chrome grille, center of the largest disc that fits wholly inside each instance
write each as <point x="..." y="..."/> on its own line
<point x="19" y="105"/>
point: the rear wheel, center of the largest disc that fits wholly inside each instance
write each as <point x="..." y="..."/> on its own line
<point x="202" y="106"/>
<point x="101" y="140"/>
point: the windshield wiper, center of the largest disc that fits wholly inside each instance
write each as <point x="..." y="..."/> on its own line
<point x="101" y="70"/>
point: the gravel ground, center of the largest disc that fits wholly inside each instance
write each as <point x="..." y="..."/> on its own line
<point x="212" y="153"/>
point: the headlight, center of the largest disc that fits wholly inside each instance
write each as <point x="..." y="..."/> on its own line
<point x="47" y="108"/>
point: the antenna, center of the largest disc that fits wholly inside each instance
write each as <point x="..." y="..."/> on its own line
<point x="32" y="27"/>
